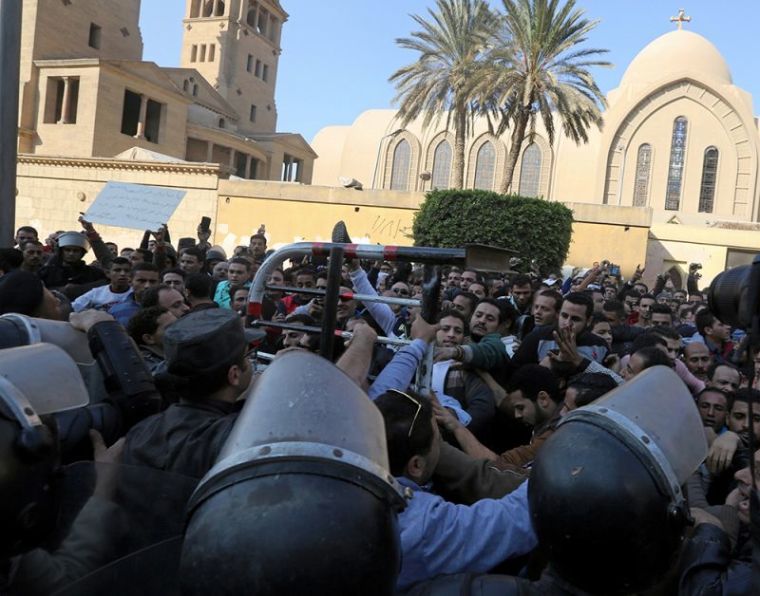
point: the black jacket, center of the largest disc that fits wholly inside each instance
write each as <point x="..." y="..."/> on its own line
<point x="707" y="566"/>
<point x="57" y="275"/>
<point x="185" y="439"/>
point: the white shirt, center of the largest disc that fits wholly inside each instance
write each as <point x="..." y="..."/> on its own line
<point x="100" y="298"/>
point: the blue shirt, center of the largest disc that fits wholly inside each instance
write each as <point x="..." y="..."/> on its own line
<point x="439" y="537"/>
<point x="398" y="374"/>
<point x="123" y="311"/>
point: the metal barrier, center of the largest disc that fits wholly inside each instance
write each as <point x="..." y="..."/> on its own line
<point x="478" y="257"/>
<point x="475" y="256"/>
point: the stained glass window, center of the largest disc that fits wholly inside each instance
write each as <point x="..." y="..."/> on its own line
<point x="485" y="165"/>
<point x="442" y="165"/>
<point x="709" y="173"/>
<point x="643" y="168"/>
<point x="400" y="170"/>
<point x="675" y="170"/>
<point x="530" y="171"/>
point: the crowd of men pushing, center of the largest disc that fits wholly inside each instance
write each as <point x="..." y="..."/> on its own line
<point x="512" y="356"/>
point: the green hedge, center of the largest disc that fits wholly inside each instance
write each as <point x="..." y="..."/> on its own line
<point x="535" y="228"/>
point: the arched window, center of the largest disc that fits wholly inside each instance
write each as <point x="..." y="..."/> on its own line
<point x="675" y="170"/>
<point x="709" y="174"/>
<point x="641" y="183"/>
<point x="400" y="170"/>
<point x="219" y="12"/>
<point x="186" y="86"/>
<point x="208" y="8"/>
<point x="442" y="165"/>
<point x="530" y="171"/>
<point x="485" y="165"/>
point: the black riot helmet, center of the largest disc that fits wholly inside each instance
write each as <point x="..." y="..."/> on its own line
<point x="28" y="447"/>
<point x="301" y="499"/>
<point x="605" y="491"/>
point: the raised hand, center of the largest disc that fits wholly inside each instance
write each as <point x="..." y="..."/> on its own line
<point x="568" y="347"/>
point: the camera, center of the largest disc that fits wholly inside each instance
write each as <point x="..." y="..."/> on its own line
<point x="734" y="295"/>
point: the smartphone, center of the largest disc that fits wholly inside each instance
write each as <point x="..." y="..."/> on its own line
<point x="205" y="223"/>
<point x="615" y="270"/>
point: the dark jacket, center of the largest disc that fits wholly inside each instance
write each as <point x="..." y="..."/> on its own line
<point x="472" y="584"/>
<point x="463" y="479"/>
<point x="523" y="455"/>
<point x="707" y="567"/>
<point x="475" y="397"/>
<point x="80" y="276"/>
<point x="537" y="344"/>
<point x="185" y="439"/>
<point x="623" y="337"/>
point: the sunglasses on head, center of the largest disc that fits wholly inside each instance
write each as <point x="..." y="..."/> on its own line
<point x="416" y="402"/>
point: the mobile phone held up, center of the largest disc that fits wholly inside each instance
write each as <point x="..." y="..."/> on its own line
<point x="205" y="223"/>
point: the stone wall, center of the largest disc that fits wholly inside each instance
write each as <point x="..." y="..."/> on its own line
<point x="53" y="191"/>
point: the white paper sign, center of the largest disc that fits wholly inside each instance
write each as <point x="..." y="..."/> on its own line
<point x="134" y="206"/>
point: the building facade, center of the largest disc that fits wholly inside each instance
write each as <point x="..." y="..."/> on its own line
<point x="671" y="178"/>
<point x="678" y="137"/>
<point x="85" y="91"/>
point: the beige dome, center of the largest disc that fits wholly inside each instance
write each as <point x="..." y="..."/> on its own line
<point x="677" y="54"/>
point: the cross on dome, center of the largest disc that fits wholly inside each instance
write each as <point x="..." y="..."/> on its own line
<point x="680" y="19"/>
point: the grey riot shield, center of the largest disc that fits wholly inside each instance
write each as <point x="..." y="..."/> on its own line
<point x="109" y="517"/>
<point x="46" y="376"/>
<point x="605" y="491"/>
<point x="21" y="330"/>
<point x="301" y="498"/>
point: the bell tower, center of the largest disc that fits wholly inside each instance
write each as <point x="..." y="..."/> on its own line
<point x="235" y="45"/>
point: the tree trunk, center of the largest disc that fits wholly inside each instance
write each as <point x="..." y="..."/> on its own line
<point x="518" y="135"/>
<point x="460" y="124"/>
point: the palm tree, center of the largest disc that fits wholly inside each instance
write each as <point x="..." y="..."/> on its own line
<point x="538" y="65"/>
<point x="451" y="46"/>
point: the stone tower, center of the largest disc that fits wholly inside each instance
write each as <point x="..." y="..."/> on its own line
<point x="66" y="30"/>
<point x="235" y="45"/>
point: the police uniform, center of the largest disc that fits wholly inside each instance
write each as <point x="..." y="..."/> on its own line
<point x="186" y="438"/>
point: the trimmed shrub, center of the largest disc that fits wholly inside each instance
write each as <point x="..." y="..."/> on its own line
<point x="538" y="230"/>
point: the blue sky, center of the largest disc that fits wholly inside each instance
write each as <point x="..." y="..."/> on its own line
<point x="338" y="54"/>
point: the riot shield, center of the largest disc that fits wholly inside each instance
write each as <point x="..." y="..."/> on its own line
<point x="118" y="531"/>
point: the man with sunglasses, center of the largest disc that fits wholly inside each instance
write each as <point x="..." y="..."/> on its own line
<point x="439" y="537"/>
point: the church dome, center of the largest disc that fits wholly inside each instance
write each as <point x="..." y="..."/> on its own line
<point x="676" y="54"/>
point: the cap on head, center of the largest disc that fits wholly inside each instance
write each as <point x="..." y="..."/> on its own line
<point x="216" y="253"/>
<point x="203" y="341"/>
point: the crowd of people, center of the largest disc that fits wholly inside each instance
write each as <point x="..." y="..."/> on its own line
<point x="513" y="354"/>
